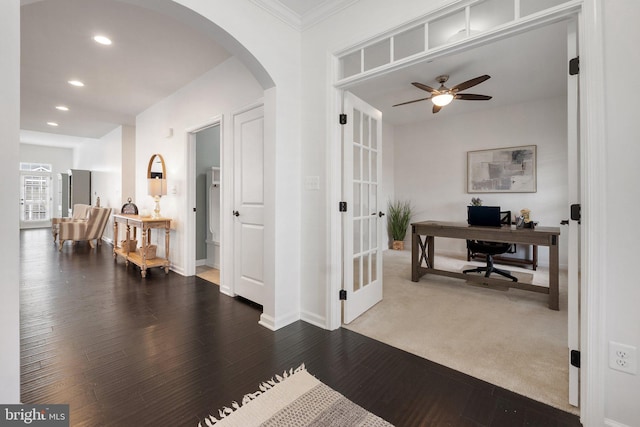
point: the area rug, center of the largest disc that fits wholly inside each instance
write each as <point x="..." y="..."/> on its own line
<point x="295" y="398"/>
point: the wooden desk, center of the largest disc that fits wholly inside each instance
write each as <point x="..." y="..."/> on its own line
<point x="422" y="251"/>
<point x="146" y="224"/>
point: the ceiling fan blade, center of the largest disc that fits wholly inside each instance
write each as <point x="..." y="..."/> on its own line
<point x="411" y="102"/>
<point x="470" y="83"/>
<point x="436" y="108"/>
<point x="473" y="97"/>
<point x="424" y="87"/>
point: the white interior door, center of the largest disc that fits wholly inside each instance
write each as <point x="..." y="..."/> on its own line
<point x="573" y="269"/>
<point x="362" y="244"/>
<point x="248" y="211"/>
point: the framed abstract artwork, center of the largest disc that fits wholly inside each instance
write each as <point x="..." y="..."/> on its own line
<point x="502" y="170"/>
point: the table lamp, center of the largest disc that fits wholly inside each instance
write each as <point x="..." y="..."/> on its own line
<point x="157" y="187"/>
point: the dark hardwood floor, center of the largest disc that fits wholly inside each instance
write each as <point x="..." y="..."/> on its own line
<point x="168" y="350"/>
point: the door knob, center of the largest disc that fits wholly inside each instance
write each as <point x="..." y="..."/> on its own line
<point x="380" y="214"/>
<point x="236" y="213"/>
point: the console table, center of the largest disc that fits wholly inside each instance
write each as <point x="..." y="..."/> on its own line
<point x="422" y="251"/>
<point x="145" y="224"/>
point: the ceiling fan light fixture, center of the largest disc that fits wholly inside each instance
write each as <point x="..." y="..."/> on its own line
<point x="442" y="99"/>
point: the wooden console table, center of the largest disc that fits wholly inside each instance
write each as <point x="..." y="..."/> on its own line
<point x="422" y="251"/>
<point x="146" y="224"/>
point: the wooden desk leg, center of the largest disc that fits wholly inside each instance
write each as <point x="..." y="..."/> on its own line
<point x="415" y="256"/>
<point x="554" y="273"/>
<point x="430" y="251"/>
<point x="535" y="257"/>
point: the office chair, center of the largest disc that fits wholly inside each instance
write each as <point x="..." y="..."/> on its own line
<point x="489" y="249"/>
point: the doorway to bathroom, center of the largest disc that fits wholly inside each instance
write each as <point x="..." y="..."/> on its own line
<point x="208" y="198"/>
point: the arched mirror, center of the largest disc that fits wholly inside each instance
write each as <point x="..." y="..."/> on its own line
<point x="156" y="181"/>
<point x="156" y="167"/>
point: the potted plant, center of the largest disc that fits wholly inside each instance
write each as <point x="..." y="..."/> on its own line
<point x="399" y="214"/>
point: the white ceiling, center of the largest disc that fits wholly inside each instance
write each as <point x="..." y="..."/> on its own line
<point x="154" y="55"/>
<point x="151" y="57"/>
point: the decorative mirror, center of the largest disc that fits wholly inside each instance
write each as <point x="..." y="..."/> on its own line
<point x="156" y="181"/>
<point x="156" y="167"/>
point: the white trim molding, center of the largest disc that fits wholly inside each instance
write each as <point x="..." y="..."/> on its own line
<point x="301" y="22"/>
<point x="593" y="197"/>
<point x="611" y="423"/>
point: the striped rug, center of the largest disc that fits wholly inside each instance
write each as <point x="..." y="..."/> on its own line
<point x="295" y="398"/>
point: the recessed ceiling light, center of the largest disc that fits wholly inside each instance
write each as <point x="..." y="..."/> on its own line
<point x="62" y="108"/>
<point x="77" y="83"/>
<point x="54" y="124"/>
<point x="102" y="40"/>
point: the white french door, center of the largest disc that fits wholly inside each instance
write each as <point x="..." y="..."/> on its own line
<point x="35" y="198"/>
<point x="248" y="210"/>
<point x="573" y="170"/>
<point x="362" y="237"/>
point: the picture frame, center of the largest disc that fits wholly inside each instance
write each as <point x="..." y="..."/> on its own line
<point x="502" y="170"/>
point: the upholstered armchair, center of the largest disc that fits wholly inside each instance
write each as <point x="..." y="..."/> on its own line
<point x="89" y="230"/>
<point x="80" y="214"/>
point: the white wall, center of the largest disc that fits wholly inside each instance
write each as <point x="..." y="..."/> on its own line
<point x="222" y="90"/>
<point x="60" y="158"/>
<point x="128" y="164"/>
<point x="388" y="172"/>
<point x="622" y="61"/>
<point x="431" y="162"/>
<point x="9" y="224"/>
<point x="104" y="159"/>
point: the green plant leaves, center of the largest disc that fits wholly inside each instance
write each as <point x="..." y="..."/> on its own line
<point x="399" y="214"/>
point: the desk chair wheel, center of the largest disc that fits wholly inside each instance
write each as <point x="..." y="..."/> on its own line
<point x="490" y="268"/>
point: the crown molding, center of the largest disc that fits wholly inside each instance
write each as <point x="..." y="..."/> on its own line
<point x="324" y="11"/>
<point x="310" y="18"/>
<point x="281" y="12"/>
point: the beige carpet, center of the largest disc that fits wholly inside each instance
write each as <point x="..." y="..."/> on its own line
<point x="508" y="338"/>
<point x="209" y="274"/>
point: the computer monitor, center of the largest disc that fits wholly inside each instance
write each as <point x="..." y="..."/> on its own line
<point x="487" y="216"/>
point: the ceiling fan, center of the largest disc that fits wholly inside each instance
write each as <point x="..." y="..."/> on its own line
<point x="443" y="95"/>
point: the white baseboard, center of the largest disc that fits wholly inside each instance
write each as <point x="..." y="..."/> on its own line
<point x="282" y="321"/>
<point x="180" y="270"/>
<point x="611" y="423"/>
<point x="267" y="322"/>
<point x="314" y="319"/>
<point x="227" y="291"/>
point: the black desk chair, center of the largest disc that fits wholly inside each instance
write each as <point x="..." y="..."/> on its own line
<point x="489" y="249"/>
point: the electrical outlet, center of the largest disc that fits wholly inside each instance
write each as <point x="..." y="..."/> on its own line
<point x="622" y="357"/>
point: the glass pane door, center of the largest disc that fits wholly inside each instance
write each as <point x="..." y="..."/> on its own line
<point x="35" y="197"/>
